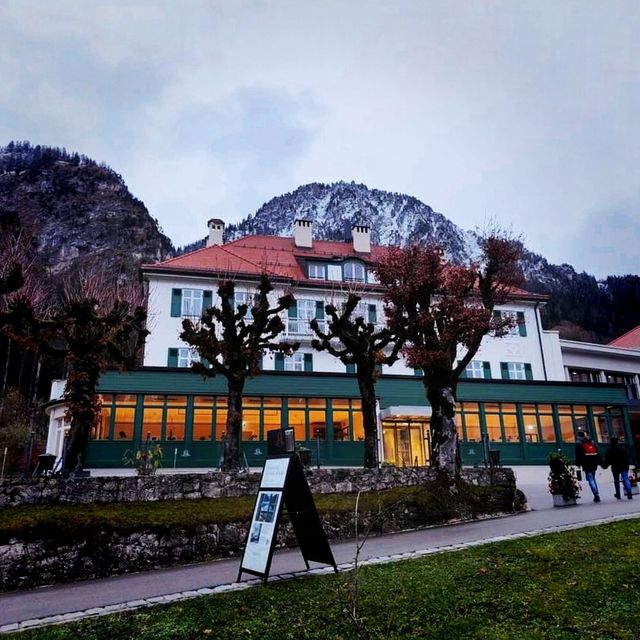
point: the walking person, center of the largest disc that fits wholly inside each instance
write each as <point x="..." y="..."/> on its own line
<point x="616" y="457"/>
<point x="589" y="459"/>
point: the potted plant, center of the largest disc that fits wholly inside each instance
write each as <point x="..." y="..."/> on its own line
<point x="633" y="480"/>
<point x="304" y="454"/>
<point x="147" y="459"/>
<point x="563" y="485"/>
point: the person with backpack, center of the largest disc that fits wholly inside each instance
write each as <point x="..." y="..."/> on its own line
<point x="616" y="457"/>
<point x="589" y="459"/>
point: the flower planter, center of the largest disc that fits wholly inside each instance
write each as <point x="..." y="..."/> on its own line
<point x="561" y="501"/>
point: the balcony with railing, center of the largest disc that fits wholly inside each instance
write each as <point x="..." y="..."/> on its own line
<point x="299" y="327"/>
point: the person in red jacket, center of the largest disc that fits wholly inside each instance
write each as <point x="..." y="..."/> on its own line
<point x="588" y="457"/>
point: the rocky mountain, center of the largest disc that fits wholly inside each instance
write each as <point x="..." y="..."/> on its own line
<point x="393" y="218"/>
<point x="581" y="307"/>
<point x="77" y="209"/>
<point x="80" y="210"/>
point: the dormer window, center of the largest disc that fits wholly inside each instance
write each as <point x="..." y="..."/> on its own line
<point x="334" y="272"/>
<point x="317" y="271"/>
<point x="353" y="271"/>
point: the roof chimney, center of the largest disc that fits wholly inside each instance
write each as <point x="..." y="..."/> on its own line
<point x="216" y="229"/>
<point x="361" y="238"/>
<point x="302" y="233"/>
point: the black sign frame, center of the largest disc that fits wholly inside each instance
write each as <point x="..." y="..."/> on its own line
<point x="283" y="483"/>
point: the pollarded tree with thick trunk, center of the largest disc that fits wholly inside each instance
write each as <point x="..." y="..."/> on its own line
<point x="356" y="341"/>
<point x="230" y="341"/>
<point x="444" y="311"/>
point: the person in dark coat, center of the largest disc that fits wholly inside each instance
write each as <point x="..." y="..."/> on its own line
<point x="588" y="457"/>
<point x="616" y="457"/>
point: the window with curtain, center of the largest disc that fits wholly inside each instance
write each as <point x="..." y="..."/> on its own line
<point x="191" y="303"/>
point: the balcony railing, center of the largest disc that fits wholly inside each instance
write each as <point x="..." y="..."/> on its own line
<point x="300" y="327"/>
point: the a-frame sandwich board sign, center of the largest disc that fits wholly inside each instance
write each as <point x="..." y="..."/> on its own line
<point x="283" y="483"/>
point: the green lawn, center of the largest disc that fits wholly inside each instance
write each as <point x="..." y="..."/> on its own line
<point x="582" y="585"/>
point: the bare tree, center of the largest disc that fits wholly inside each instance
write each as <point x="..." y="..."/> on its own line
<point x="356" y="341"/>
<point x="230" y="344"/>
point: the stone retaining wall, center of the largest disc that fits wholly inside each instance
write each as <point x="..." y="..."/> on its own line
<point x="216" y="484"/>
<point x="26" y="564"/>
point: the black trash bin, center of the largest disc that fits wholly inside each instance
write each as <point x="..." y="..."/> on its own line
<point x="45" y="464"/>
<point x="494" y="458"/>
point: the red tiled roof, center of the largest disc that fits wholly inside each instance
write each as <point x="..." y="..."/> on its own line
<point x="629" y="340"/>
<point x="279" y="257"/>
<point x="253" y="255"/>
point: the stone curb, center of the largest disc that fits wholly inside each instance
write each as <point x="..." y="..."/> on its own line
<point x="240" y="586"/>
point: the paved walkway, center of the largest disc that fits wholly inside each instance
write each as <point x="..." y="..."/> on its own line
<point x="49" y="605"/>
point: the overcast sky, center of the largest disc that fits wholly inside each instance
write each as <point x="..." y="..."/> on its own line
<point x="526" y="112"/>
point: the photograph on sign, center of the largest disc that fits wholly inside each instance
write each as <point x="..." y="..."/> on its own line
<point x="263" y="526"/>
<point x="275" y="473"/>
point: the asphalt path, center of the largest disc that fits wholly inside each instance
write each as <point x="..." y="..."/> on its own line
<point x="44" y="602"/>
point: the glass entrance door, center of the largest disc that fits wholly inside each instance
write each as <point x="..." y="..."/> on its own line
<point x="406" y="442"/>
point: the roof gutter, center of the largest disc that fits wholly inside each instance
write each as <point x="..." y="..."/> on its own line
<point x="539" y="331"/>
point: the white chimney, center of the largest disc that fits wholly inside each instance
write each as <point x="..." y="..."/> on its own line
<point x="216" y="229"/>
<point x="302" y="234"/>
<point x="361" y="238"/>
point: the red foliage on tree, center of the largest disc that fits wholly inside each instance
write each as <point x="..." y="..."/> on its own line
<point x="443" y="311"/>
<point x="97" y="323"/>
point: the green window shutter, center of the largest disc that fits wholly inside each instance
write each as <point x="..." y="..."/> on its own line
<point x="351" y="368"/>
<point x="496" y="315"/>
<point x="176" y="303"/>
<point x="463" y="374"/>
<point x="522" y="327"/>
<point x="373" y="314"/>
<point x="308" y="361"/>
<point x="172" y="356"/>
<point x="528" y="374"/>
<point x="504" y="370"/>
<point x="279" y="366"/>
<point x="207" y="300"/>
<point x="261" y="362"/>
<point x="486" y="366"/>
<point x="319" y="310"/>
<point x="417" y="372"/>
<point x="293" y="310"/>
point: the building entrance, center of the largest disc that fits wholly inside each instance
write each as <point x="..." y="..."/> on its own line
<point x="406" y="442"/>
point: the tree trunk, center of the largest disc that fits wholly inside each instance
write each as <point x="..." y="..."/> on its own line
<point x="444" y="435"/>
<point x="7" y="365"/>
<point x="77" y="446"/>
<point x="232" y="449"/>
<point x="369" y="419"/>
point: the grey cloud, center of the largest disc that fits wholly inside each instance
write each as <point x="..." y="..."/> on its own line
<point x="607" y="242"/>
<point x="260" y="127"/>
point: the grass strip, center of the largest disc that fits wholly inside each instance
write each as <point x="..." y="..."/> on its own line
<point x="574" y="585"/>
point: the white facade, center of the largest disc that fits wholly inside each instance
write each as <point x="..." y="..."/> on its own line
<point x="588" y="362"/>
<point x="527" y="352"/>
